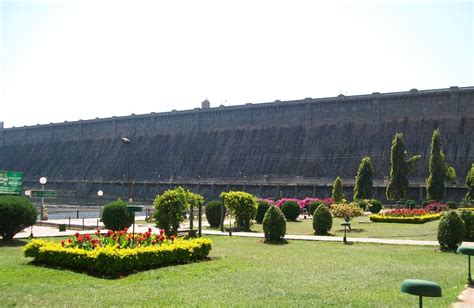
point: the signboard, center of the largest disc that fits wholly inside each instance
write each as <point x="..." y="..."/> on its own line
<point x="11" y="182"/>
<point x="42" y="193"/>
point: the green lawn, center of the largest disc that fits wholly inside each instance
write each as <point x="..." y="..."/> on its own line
<point x="245" y="272"/>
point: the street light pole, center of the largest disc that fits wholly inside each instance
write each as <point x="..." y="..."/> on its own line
<point x="128" y="143"/>
<point x="44" y="211"/>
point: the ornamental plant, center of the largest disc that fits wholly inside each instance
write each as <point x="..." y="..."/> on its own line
<point x="214" y="213"/>
<point x="470" y="184"/>
<point x="346" y="210"/>
<point x="468" y="218"/>
<point x="171" y="206"/>
<point x="262" y="208"/>
<point x="400" y="168"/>
<point x="439" y="170"/>
<point x="16" y="214"/>
<point x="274" y="224"/>
<point x="291" y="210"/>
<point x="436" y="207"/>
<point x="451" y="231"/>
<point x="322" y="220"/>
<point x="242" y="205"/>
<point x="363" y="187"/>
<point x="337" y="193"/>
<point x="313" y="206"/>
<point x="375" y="206"/>
<point x="116" y="216"/>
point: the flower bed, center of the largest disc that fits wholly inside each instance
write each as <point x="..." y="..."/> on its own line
<point x="115" y="253"/>
<point x="411" y="216"/>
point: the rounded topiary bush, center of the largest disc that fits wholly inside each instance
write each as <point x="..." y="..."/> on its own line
<point x="451" y="231"/>
<point x="313" y="206"/>
<point x="115" y="215"/>
<point x="291" y="210"/>
<point x="363" y="204"/>
<point x="213" y="213"/>
<point x="468" y="218"/>
<point x="16" y="214"/>
<point x="242" y="205"/>
<point x="375" y="206"/>
<point x="262" y="208"/>
<point x="274" y="224"/>
<point x="410" y="204"/>
<point x="322" y="220"/>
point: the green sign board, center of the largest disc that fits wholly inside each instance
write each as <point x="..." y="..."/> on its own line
<point x="11" y="183"/>
<point x="43" y="193"/>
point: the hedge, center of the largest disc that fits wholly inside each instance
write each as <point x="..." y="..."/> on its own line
<point x="405" y="220"/>
<point x="111" y="261"/>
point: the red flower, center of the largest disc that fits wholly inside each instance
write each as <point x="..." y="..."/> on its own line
<point x="162" y="237"/>
<point x="162" y="231"/>
<point x="76" y="234"/>
<point x="110" y="233"/>
<point x="172" y="237"/>
<point x="125" y="230"/>
<point x="149" y="230"/>
<point x="62" y="243"/>
<point x="97" y="232"/>
<point x="121" y="232"/>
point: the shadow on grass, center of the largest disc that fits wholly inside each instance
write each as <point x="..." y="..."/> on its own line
<point x="12" y="243"/>
<point x="101" y="275"/>
<point x="278" y="242"/>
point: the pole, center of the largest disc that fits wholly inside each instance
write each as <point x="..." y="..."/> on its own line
<point x="129" y="174"/>
<point x="42" y="204"/>
<point x="222" y="216"/>
<point x="469" y="279"/>
<point x="421" y="302"/>
<point x="200" y="219"/>
<point x="133" y="229"/>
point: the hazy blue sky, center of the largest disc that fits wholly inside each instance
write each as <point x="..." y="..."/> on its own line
<point x="71" y="60"/>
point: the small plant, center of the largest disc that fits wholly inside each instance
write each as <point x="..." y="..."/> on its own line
<point x="363" y="204"/>
<point x="263" y="207"/>
<point x="346" y="211"/>
<point x="291" y="210"/>
<point x="452" y="205"/>
<point x="468" y="218"/>
<point x="242" y="205"/>
<point x="214" y="213"/>
<point x="274" y="224"/>
<point x="313" y="206"/>
<point x="436" y="207"/>
<point x="451" y="231"/>
<point x="375" y="206"/>
<point x="322" y="220"/>
<point x="337" y="193"/>
<point x="410" y="204"/>
<point x="116" y="216"/>
<point x="16" y="213"/>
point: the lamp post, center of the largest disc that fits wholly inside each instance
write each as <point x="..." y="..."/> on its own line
<point x="44" y="211"/>
<point x="100" y="193"/>
<point x="128" y="143"/>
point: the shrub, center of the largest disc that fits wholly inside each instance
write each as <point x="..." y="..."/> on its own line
<point x="313" y="206"/>
<point x="452" y="205"/>
<point x="322" y="220"/>
<point x="363" y="187"/>
<point x="410" y="204"/>
<point x="375" y="206"/>
<point x="468" y="218"/>
<point x="421" y="219"/>
<point x="16" y="214"/>
<point x="363" y="204"/>
<point x="436" y="207"/>
<point x="337" y="193"/>
<point x="170" y="208"/>
<point x="274" y="224"/>
<point x="116" y="216"/>
<point x="346" y="211"/>
<point x="262" y="208"/>
<point x="291" y="210"/>
<point x="450" y="231"/>
<point x="214" y="213"/>
<point x="242" y="205"/>
<point x="113" y="261"/>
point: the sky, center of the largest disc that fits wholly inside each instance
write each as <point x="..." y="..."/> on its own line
<point x="70" y="60"/>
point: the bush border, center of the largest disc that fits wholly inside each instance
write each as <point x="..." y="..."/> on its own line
<point x="405" y="220"/>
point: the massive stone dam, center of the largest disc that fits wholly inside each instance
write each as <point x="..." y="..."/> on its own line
<point x="282" y="148"/>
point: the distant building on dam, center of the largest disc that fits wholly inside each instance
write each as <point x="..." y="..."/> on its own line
<point x="281" y="148"/>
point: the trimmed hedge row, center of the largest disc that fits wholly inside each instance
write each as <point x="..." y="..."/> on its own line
<point x="111" y="261"/>
<point x="405" y="220"/>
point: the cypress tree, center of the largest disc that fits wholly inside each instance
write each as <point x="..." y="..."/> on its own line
<point x="363" y="187"/>
<point x="470" y="184"/>
<point x="400" y="167"/>
<point x="438" y="171"/>
<point x="337" y="193"/>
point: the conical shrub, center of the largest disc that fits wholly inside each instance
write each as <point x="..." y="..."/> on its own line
<point x="274" y="224"/>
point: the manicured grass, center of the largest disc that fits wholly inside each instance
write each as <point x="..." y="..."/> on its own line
<point x="427" y="231"/>
<point x="246" y="272"/>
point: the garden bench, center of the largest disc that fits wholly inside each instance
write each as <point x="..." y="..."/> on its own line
<point x="421" y="288"/>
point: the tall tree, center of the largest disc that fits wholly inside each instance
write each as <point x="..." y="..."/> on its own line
<point x="400" y="167"/>
<point x="439" y="171"/>
<point x="363" y="187"/>
<point x="337" y="193"/>
<point x="470" y="184"/>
